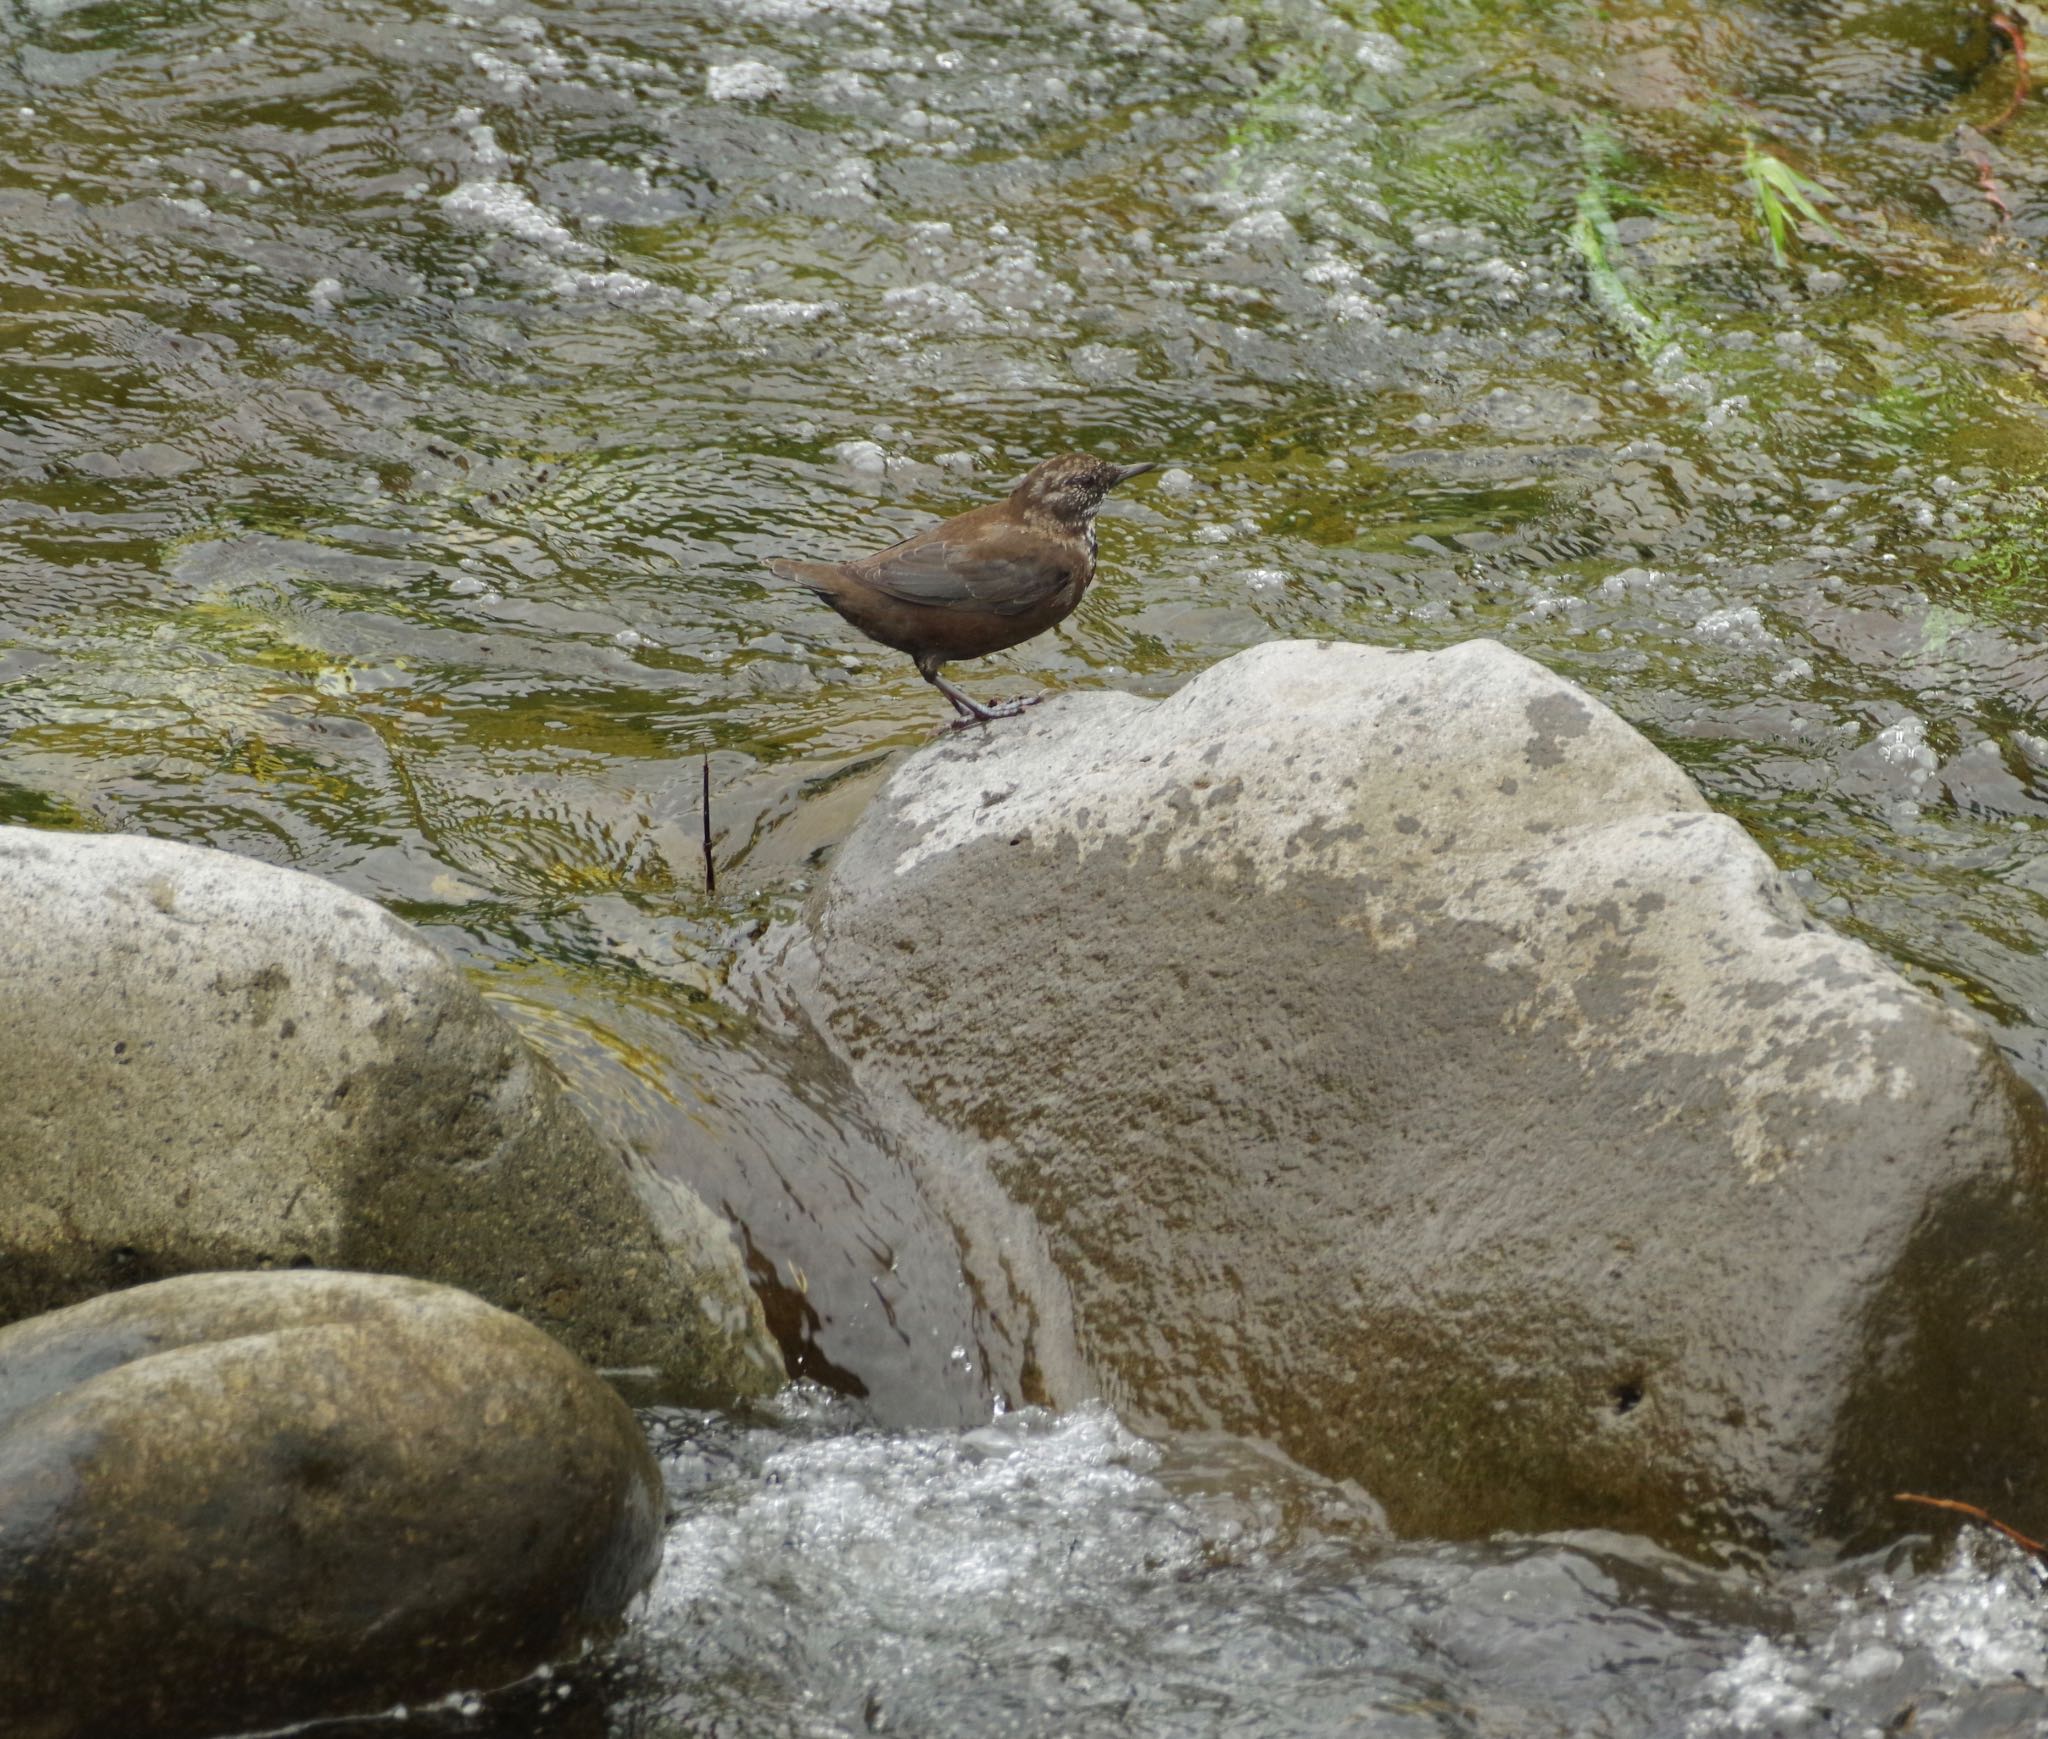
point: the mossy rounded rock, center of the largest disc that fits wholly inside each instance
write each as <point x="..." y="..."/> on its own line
<point x="210" y="1063"/>
<point x="237" y="1500"/>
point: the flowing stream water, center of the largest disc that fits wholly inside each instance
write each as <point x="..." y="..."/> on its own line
<point x="397" y="399"/>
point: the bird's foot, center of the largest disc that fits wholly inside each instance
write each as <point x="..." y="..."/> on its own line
<point x="974" y="713"/>
<point x="971" y="711"/>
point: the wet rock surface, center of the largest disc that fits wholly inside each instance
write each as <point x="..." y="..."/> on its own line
<point x="229" y="1501"/>
<point x="1404" y="1064"/>
<point x="210" y="1063"/>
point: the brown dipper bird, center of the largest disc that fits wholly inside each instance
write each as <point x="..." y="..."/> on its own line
<point x="977" y="583"/>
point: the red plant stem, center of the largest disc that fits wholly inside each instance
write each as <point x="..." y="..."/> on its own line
<point x="1974" y="1513"/>
<point x="1990" y="188"/>
<point x="2014" y="35"/>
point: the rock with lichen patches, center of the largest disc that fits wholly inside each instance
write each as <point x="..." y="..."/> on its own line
<point x="1398" y="1060"/>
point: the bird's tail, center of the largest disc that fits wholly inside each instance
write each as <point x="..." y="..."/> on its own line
<point x="820" y="577"/>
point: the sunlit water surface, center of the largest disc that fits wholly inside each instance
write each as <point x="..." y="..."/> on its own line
<point x="396" y="402"/>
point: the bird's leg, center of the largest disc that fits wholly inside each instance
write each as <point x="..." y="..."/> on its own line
<point x="963" y="705"/>
<point x="971" y="711"/>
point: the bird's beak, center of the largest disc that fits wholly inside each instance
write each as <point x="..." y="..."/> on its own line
<point x="1124" y="473"/>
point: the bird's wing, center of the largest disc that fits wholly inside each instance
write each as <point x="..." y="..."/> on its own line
<point x="947" y="574"/>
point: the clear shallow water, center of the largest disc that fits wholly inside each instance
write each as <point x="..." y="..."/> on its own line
<point x="395" y="403"/>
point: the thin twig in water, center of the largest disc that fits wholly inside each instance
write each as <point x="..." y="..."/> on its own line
<point x="710" y="867"/>
<point x="2017" y="37"/>
<point x="1974" y="1513"/>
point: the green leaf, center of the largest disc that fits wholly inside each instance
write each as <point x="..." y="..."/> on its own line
<point x="1780" y="192"/>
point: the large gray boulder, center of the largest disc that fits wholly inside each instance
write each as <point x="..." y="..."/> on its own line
<point x="1399" y="1061"/>
<point x="230" y="1501"/>
<point x="210" y="1063"/>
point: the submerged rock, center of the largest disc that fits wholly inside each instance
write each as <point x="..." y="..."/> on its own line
<point x="210" y="1063"/>
<point x="1400" y="1062"/>
<point x="229" y="1501"/>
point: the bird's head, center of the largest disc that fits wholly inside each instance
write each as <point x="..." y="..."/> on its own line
<point x="1072" y="486"/>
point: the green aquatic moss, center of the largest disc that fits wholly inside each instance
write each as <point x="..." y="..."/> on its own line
<point x="1593" y="240"/>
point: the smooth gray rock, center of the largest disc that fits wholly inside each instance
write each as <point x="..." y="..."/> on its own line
<point x="209" y="1063"/>
<point x="1399" y="1061"/>
<point x="230" y="1501"/>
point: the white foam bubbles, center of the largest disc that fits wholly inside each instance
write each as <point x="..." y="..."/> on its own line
<point x="509" y="208"/>
<point x="1904" y="744"/>
<point x="1763" y="1690"/>
<point x="934" y="306"/>
<point x="609" y="286"/>
<point x="745" y="81"/>
<point x="1920" y="1648"/>
<point x="1738" y="625"/>
<point x="780" y="311"/>
<point x="866" y="457"/>
<point x="928" y="1523"/>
